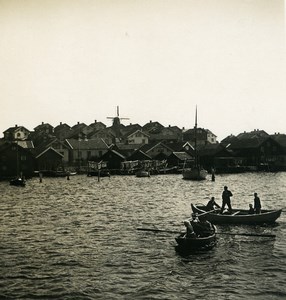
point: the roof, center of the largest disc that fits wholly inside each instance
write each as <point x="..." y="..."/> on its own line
<point x="40" y="151"/>
<point x="87" y="144"/>
<point x="182" y="155"/>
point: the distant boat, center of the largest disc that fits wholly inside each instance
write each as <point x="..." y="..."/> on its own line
<point x="18" y="182"/>
<point x="142" y="173"/>
<point x="196" y="172"/>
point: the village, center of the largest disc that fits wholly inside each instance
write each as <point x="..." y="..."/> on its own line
<point x="122" y="148"/>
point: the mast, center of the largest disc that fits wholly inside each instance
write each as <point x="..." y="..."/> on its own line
<point x="196" y="151"/>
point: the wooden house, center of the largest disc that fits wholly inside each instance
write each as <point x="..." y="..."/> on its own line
<point x="113" y="159"/>
<point x="45" y="128"/>
<point x="16" y="133"/>
<point x="82" y="151"/>
<point x="62" y="131"/>
<point x="15" y="160"/>
<point x="48" y="159"/>
<point x="137" y="137"/>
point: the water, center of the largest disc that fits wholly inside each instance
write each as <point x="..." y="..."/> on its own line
<point x="77" y="239"/>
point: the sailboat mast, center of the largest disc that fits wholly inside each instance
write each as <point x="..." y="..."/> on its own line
<point x="196" y="151"/>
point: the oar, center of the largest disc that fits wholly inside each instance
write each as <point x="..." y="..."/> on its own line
<point x="248" y="234"/>
<point x="225" y="233"/>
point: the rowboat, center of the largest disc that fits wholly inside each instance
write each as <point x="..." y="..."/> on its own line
<point x="238" y="216"/>
<point x="142" y="173"/>
<point x="18" y="182"/>
<point x="197" y="243"/>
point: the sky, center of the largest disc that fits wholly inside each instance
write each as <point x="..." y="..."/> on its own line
<point x="75" y="61"/>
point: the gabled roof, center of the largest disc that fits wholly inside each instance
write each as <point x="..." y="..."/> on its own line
<point x="43" y="125"/>
<point x="253" y="134"/>
<point x="148" y="147"/>
<point x="138" y="130"/>
<point x="87" y="144"/>
<point x="40" y="152"/>
<point x="247" y="143"/>
<point x="182" y="156"/>
<point x="139" y="155"/>
<point x="16" y="128"/>
<point x="280" y="139"/>
<point x="153" y="127"/>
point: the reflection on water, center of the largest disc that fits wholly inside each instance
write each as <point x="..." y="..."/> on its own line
<point x="77" y="239"/>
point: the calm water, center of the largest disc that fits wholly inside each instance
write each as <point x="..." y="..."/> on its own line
<point x="77" y="239"/>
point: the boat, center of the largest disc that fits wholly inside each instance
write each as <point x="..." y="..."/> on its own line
<point x="18" y="181"/>
<point x="142" y="173"/>
<point x="196" y="243"/>
<point x="196" y="172"/>
<point x="238" y="216"/>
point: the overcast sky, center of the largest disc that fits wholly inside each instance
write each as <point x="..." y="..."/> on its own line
<point x="75" y="61"/>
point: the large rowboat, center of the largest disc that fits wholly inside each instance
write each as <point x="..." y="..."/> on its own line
<point x="239" y="216"/>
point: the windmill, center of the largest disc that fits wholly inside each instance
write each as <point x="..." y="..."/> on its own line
<point x="116" y="120"/>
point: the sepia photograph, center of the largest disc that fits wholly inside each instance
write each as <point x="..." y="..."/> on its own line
<point x="142" y="149"/>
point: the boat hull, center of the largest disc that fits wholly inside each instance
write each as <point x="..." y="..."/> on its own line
<point x="195" y="244"/>
<point x="142" y="174"/>
<point x="18" y="182"/>
<point x="239" y="216"/>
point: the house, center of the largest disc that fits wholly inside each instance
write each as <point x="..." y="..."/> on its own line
<point x="62" y="131"/>
<point x="48" y="159"/>
<point x="257" y="151"/>
<point x="164" y="134"/>
<point x="152" y="127"/>
<point x="60" y="146"/>
<point x="45" y="128"/>
<point x="203" y="136"/>
<point x="97" y="126"/>
<point x="105" y="134"/>
<point x="217" y="156"/>
<point x="137" y="138"/>
<point x="16" y="133"/>
<point x="179" y="159"/>
<point x="15" y="160"/>
<point x="113" y="160"/>
<point x="82" y="151"/>
<point x="157" y="150"/>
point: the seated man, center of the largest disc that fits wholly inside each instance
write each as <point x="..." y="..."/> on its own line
<point x="251" y="209"/>
<point x="212" y="204"/>
<point x="190" y="230"/>
<point x="202" y="227"/>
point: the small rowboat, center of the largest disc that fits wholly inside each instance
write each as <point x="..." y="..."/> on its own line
<point x="238" y="216"/>
<point x="18" y="182"/>
<point x="187" y="244"/>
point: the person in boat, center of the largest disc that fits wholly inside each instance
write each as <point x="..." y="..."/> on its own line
<point x="212" y="204"/>
<point x="251" y="209"/>
<point x="190" y="230"/>
<point x="226" y="194"/>
<point x="202" y="227"/>
<point x="257" y="204"/>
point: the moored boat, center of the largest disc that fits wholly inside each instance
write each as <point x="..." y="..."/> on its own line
<point x="238" y="216"/>
<point x="18" y="181"/>
<point x="142" y="173"/>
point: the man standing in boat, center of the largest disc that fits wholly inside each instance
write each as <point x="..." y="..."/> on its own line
<point x="257" y="204"/>
<point x="226" y="194"/>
